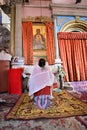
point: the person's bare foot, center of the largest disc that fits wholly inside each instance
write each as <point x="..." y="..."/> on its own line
<point x="51" y="97"/>
<point x="31" y="97"/>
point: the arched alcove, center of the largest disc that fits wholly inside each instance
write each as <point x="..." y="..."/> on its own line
<point x="74" y="26"/>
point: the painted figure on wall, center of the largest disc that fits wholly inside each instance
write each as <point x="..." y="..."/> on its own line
<point x="4" y="38"/>
<point x="4" y="29"/>
<point x="39" y="40"/>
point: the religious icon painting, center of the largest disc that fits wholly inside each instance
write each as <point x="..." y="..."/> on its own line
<point x="39" y="37"/>
<point x="39" y="41"/>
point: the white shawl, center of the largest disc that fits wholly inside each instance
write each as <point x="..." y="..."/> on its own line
<point x="39" y="79"/>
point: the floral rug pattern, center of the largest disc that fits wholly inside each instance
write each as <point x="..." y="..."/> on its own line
<point x="69" y="123"/>
<point x="63" y="105"/>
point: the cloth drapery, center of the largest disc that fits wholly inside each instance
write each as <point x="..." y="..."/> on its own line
<point x="50" y="43"/>
<point x="73" y="53"/>
<point x="15" y="80"/>
<point x="27" y="35"/>
<point x="39" y="79"/>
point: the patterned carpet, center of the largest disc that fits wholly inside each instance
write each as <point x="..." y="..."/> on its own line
<point x="81" y="88"/>
<point x="63" y="105"/>
<point x="69" y="123"/>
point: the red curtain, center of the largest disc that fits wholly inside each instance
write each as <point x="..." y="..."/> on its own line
<point x="27" y="33"/>
<point x="50" y="43"/>
<point x="73" y="53"/>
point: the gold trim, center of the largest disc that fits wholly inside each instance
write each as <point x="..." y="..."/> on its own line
<point x="77" y="18"/>
<point x="37" y="19"/>
<point x="12" y="41"/>
<point x="39" y="53"/>
<point x="74" y="25"/>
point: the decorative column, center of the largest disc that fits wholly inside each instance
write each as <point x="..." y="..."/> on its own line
<point x="18" y="30"/>
<point x="57" y="60"/>
<point x="55" y="38"/>
<point x="12" y="42"/>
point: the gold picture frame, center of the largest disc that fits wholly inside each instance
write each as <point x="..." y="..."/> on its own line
<point x="39" y="41"/>
<point x="39" y="37"/>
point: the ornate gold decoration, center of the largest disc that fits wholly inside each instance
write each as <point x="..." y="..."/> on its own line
<point x="38" y="19"/>
<point x="74" y="26"/>
<point x="77" y="19"/>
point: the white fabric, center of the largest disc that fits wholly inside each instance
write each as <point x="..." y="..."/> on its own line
<point x="5" y="56"/>
<point x="39" y="79"/>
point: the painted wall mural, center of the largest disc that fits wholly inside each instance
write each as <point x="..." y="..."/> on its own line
<point x="4" y="31"/>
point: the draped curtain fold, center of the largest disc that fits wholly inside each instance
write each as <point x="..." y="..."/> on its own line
<point x="27" y="34"/>
<point x="73" y="53"/>
<point x="50" y="43"/>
